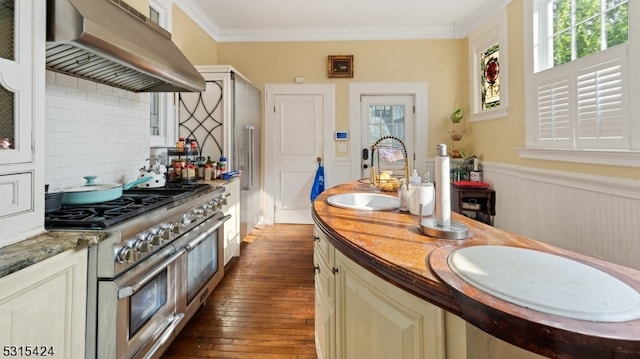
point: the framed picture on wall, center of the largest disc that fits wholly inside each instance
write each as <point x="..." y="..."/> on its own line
<point x="340" y="66"/>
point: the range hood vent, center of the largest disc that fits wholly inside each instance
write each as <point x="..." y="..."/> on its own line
<point x="109" y="42"/>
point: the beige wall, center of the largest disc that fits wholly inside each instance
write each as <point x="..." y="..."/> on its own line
<point x="140" y="5"/>
<point x="427" y="61"/>
<point x="196" y="45"/>
<point x="440" y="63"/>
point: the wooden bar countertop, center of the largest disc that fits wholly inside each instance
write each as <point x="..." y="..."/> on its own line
<point x="391" y="245"/>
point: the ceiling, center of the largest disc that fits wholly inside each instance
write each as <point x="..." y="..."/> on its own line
<point x="332" y="20"/>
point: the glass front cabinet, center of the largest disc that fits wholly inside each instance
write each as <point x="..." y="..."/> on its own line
<point x="22" y="98"/>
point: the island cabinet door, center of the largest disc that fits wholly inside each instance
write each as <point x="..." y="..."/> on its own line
<point x="374" y="319"/>
<point x="325" y="322"/>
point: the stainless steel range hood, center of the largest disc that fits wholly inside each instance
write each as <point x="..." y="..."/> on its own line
<point x="109" y="42"/>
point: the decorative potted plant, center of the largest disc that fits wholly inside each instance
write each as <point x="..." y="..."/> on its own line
<point x="456" y="117"/>
<point x="456" y="134"/>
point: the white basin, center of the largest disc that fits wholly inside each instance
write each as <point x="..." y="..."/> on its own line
<point x="546" y="283"/>
<point x="364" y="201"/>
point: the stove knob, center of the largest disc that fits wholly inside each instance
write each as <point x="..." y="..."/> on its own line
<point x="186" y="219"/>
<point x="143" y="246"/>
<point x="154" y="239"/>
<point x="176" y="227"/>
<point x="197" y="213"/>
<point x="165" y="234"/>
<point x="126" y="255"/>
<point x="207" y="210"/>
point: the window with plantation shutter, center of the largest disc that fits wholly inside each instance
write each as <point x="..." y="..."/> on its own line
<point x="581" y="86"/>
<point x="554" y="115"/>
<point x="601" y="113"/>
<point x="582" y="104"/>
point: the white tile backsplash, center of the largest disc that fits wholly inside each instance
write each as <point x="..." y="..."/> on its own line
<point x="93" y="129"/>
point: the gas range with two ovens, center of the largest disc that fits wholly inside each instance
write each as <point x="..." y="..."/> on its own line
<point x="161" y="257"/>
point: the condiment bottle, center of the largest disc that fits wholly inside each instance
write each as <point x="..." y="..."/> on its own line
<point x="207" y="168"/>
<point x="200" y="163"/>
<point x="222" y="165"/>
<point x="403" y="195"/>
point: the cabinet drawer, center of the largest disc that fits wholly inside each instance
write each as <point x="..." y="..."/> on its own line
<point x="325" y="279"/>
<point x="323" y="248"/>
<point x="16" y="194"/>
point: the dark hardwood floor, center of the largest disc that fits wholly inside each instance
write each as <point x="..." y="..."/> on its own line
<point x="264" y="306"/>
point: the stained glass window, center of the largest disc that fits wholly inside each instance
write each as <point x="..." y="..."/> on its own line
<point x="490" y="77"/>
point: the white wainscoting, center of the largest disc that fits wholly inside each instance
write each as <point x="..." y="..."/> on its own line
<point x="594" y="215"/>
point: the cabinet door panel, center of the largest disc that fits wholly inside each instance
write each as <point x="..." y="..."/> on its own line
<point x="45" y="305"/>
<point x="15" y="194"/>
<point x="324" y="324"/>
<point x="17" y="70"/>
<point x="378" y="320"/>
<point x="232" y="226"/>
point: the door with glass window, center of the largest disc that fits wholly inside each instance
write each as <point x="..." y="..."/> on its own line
<point x="387" y="116"/>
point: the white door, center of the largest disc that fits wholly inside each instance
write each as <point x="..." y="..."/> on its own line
<point x="387" y="116"/>
<point x="299" y="142"/>
<point x="298" y="128"/>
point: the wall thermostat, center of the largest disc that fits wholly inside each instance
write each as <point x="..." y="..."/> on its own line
<point x="342" y="135"/>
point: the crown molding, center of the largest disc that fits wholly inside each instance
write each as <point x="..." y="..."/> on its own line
<point x="195" y="12"/>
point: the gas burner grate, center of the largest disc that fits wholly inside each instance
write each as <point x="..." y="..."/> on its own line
<point x="72" y="214"/>
<point x="104" y="215"/>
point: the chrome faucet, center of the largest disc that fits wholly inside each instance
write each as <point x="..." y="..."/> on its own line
<point x="373" y="173"/>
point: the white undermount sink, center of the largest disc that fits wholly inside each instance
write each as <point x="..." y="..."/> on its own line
<point x="364" y="201"/>
<point x="546" y="283"/>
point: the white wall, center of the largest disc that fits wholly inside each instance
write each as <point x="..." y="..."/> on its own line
<point x="93" y="129"/>
<point x="593" y="215"/>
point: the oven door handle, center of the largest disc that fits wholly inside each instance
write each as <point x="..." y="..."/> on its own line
<point x="131" y="289"/>
<point x="166" y="334"/>
<point x="194" y="243"/>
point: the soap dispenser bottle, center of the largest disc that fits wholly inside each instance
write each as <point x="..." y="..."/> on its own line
<point x="403" y="195"/>
<point x="414" y="179"/>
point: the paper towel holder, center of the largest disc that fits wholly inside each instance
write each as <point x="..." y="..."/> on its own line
<point x="441" y="226"/>
<point x="431" y="228"/>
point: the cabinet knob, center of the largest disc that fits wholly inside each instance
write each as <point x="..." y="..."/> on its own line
<point x="334" y="270"/>
<point x="316" y="269"/>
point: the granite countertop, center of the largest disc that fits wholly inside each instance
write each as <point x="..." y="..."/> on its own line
<point x="32" y="250"/>
<point x="391" y="245"/>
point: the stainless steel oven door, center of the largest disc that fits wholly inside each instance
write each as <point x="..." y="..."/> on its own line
<point x="137" y="311"/>
<point x="202" y="267"/>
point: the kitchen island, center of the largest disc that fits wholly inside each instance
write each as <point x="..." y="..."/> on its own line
<point x="379" y="265"/>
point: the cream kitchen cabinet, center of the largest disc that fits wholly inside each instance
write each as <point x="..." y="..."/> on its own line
<point x="359" y="315"/>
<point x="22" y="93"/>
<point x="232" y="226"/>
<point x="43" y="307"/>
<point x="325" y="317"/>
